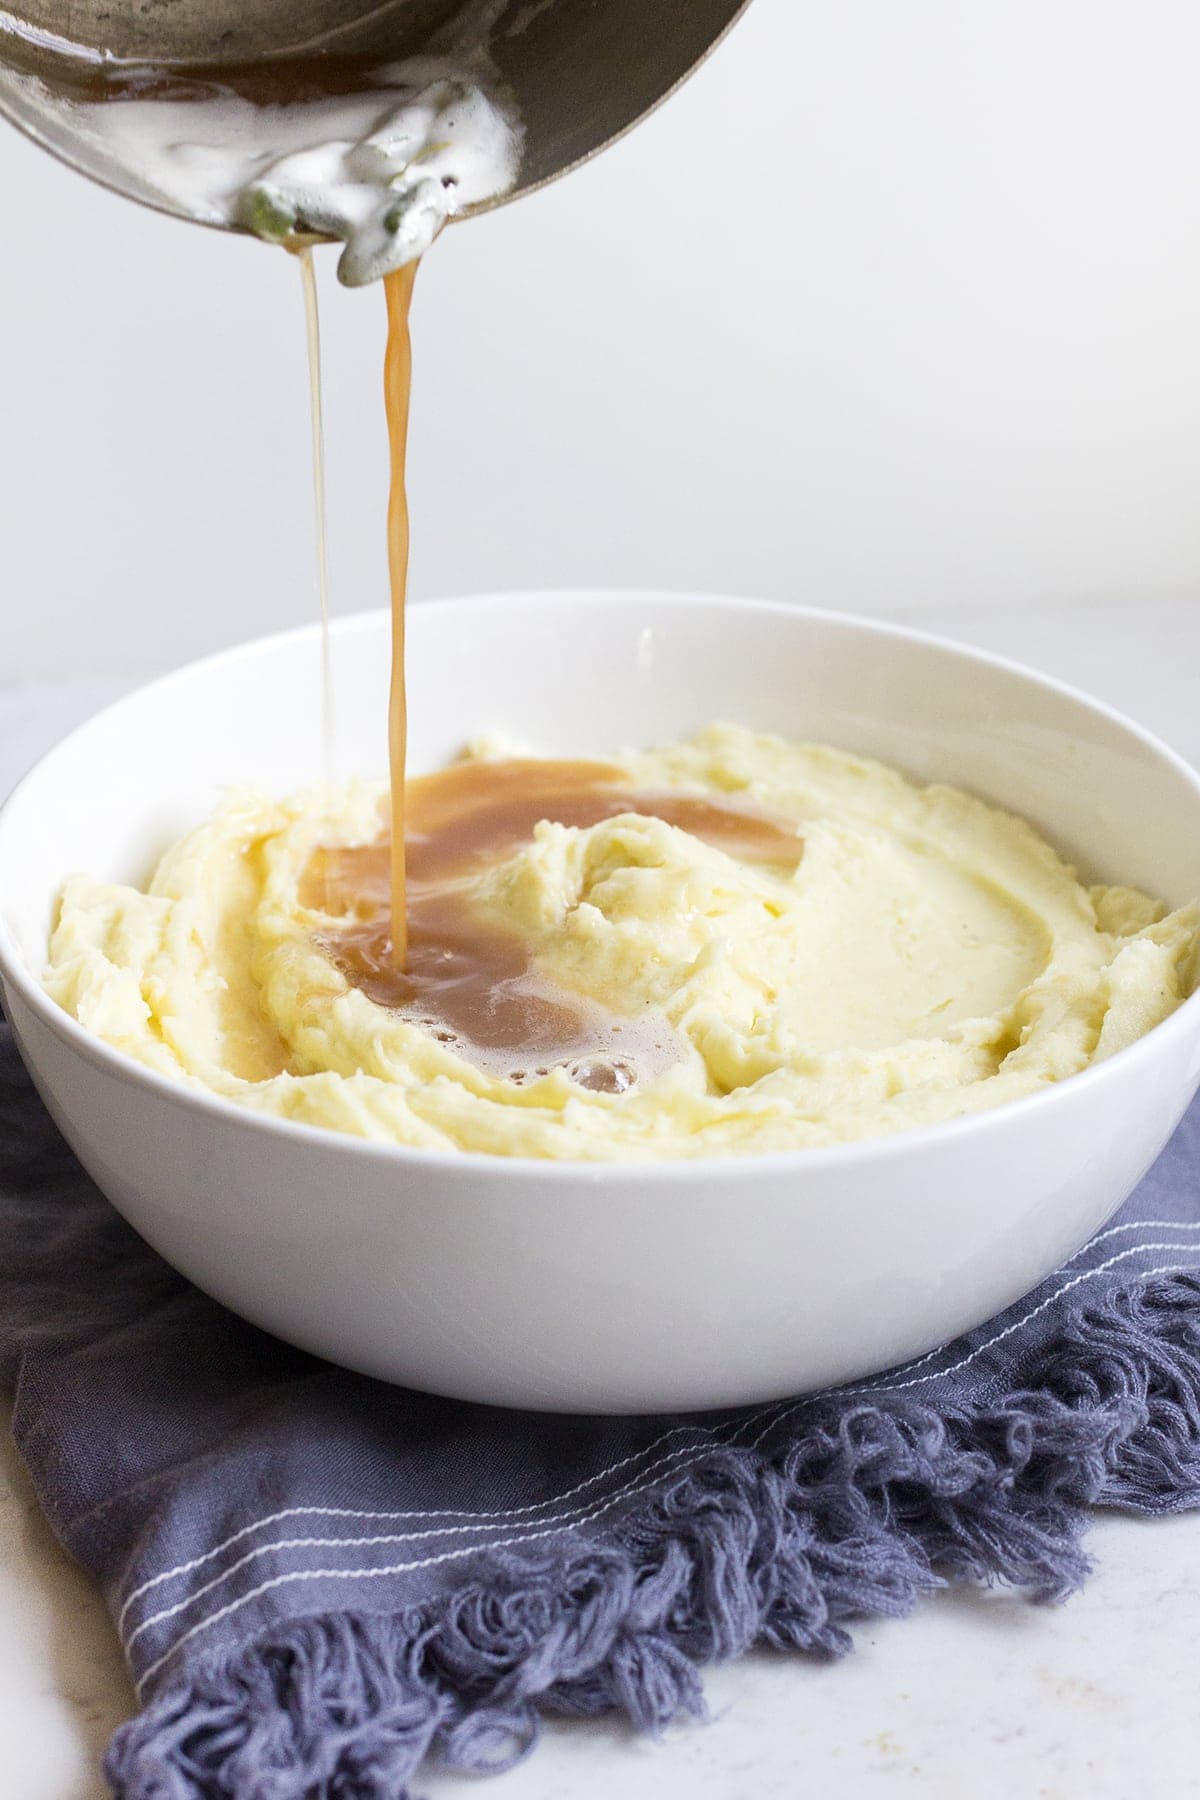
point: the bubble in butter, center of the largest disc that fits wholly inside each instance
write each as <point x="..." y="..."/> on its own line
<point x="925" y="956"/>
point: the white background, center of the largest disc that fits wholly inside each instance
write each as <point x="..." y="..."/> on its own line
<point x="897" y="303"/>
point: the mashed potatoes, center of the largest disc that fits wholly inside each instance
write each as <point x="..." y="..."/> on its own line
<point x="930" y="956"/>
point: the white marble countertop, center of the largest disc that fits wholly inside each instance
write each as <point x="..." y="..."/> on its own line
<point x="979" y="1695"/>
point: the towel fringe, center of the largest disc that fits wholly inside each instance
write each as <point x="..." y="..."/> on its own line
<point x="857" y="1511"/>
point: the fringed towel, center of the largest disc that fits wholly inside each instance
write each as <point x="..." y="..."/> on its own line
<point x="320" y="1581"/>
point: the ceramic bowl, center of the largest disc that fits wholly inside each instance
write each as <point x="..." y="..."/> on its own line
<point x="630" y="1287"/>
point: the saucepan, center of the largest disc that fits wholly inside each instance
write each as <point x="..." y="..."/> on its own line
<point x="579" y="73"/>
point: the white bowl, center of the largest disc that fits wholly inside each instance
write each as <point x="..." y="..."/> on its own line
<point x="576" y="1286"/>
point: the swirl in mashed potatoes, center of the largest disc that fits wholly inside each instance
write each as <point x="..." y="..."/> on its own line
<point x="928" y="956"/>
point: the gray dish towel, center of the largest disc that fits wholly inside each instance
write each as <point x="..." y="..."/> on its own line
<point x="320" y="1580"/>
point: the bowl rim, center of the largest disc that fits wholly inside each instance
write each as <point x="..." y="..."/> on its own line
<point x="580" y="1171"/>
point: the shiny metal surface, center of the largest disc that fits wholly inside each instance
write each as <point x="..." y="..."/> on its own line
<point x="581" y="72"/>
